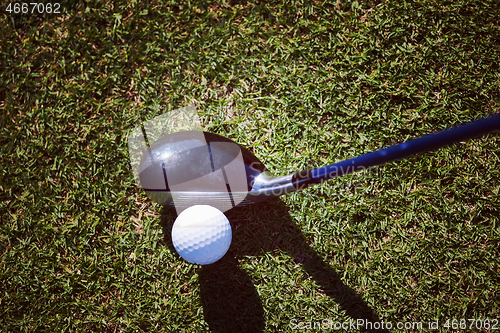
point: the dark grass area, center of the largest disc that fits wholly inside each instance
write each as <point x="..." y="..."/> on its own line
<point x="301" y="84"/>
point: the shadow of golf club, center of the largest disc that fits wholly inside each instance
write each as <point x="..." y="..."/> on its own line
<point x="230" y="300"/>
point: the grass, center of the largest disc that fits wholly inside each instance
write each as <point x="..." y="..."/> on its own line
<point x="301" y="85"/>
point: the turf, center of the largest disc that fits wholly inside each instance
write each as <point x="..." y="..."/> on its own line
<point x="301" y="84"/>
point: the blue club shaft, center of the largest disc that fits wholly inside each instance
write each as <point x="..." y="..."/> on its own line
<point x="399" y="151"/>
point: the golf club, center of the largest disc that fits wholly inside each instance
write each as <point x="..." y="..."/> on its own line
<point x="190" y="156"/>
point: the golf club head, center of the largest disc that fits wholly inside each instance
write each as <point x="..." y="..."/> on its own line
<point x="197" y="168"/>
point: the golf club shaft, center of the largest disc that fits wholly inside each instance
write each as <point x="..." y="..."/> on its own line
<point x="426" y="143"/>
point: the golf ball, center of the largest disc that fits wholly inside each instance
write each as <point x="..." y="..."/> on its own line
<point x="201" y="234"/>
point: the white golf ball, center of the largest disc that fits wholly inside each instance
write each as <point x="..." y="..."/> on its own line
<point x="201" y="234"/>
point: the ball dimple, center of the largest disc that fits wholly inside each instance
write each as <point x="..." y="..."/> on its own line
<point x="201" y="234"/>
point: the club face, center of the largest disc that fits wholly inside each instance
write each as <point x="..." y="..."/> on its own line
<point x="195" y="168"/>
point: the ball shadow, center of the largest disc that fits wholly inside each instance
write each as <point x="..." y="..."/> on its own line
<point x="230" y="300"/>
